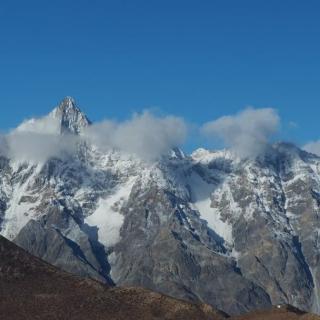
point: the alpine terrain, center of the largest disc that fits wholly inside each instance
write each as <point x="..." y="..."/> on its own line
<point x="238" y="234"/>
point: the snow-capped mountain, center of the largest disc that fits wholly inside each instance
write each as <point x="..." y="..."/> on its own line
<point x="237" y="234"/>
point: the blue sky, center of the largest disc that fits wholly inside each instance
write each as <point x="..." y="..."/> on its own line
<point x="196" y="59"/>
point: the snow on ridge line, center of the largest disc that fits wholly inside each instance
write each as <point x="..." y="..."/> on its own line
<point x="107" y="217"/>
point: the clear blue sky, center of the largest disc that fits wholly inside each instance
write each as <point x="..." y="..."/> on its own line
<point x="197" y="59"/>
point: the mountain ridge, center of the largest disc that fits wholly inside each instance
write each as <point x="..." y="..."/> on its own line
<point x="72" y="119"/>
<point x="187" y="226"/>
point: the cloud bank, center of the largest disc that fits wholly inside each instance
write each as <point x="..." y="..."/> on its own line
<point x="3" y="145"/>
<point x="144" y="134"/>
<point x="313" y="147"/>
<point x="45" y="125"/>
<point x="38" y="147"/>
<point x="37" y="140"/>
<point x="246" y="133"/>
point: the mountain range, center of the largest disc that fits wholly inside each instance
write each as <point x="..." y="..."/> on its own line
<point x="238" y="234"/>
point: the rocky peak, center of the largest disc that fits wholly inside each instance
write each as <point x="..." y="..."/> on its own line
<point x="72" y="120"/>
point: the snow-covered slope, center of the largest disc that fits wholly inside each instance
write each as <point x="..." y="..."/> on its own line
<point x="189" y="226"/>
<point x="107" y="218"/>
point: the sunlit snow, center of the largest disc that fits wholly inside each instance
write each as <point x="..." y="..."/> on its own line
<point x="201" y="197"/>
<point x="107" y="217"/>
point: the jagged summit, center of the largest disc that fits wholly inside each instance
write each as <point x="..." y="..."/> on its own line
<point x="68" y="100"/>
<point x="65" y="118"/>
<point x="72" y="119"/>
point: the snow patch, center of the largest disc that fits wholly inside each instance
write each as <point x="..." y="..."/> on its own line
<point x="107" y="217"/>
<point x="201" y="199"/>
<point x="19" y="212"/>
<point x="205" y="156"/>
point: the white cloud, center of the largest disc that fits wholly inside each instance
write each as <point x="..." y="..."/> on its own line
<point x="145" y="135"/>
<point x="44" y="125"/>
<point x="3" y="145"/>
<point x="38" y="140"/>
<point x="313" y="147"/>
<point x="39" y="147"/>
<point x="246" y="133"/>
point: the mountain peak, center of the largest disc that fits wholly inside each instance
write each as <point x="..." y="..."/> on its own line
<point x="72" y="119"/>
<point x="67" y="102"/>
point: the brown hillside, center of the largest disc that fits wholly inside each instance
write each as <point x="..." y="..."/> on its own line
<point x="32" y="289"/>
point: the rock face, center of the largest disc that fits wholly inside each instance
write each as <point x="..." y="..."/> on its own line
<point x="33" y="289"/>
<point x="71" y="119"/>
<point x="237" y="234"/>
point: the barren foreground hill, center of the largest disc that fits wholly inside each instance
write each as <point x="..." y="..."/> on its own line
<point x="278" y="313"/>
<point x="33" y="289"/>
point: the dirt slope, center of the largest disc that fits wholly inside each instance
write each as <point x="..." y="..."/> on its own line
<point x="32" y="289"/>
